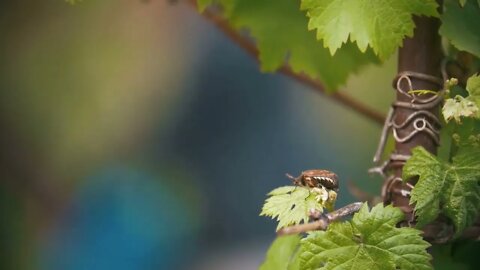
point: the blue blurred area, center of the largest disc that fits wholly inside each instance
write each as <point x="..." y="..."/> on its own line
<point x="235" y="133"/>
<point x="179" y="132"/>
<point x="122" y="218"/>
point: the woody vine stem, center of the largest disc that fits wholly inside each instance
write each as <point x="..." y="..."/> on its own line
<point x="413" y="121"/>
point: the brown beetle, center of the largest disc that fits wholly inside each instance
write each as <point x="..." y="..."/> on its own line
<point x="316" y="178"/>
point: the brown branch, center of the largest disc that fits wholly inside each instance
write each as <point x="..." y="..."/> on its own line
<point x="324" y="220"/>
<point x="248" y="46"/>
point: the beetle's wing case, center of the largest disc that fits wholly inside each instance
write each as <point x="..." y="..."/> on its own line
<point x="315" y="172"/>
<point x="322" y="177"/>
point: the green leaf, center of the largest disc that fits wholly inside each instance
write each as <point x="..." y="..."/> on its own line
<point x="290" y="205"/>
<point x="473" y="88"/>
<point x="370" y="241"/>
<point x="282" y="254"/>
<point x="454" y="186"/>
<point x="459" y="106"/>
<point x="426" y="194"/>
<point x="295" y="260"/>
<point x="280" y="31"/>
<point x="461" y="26"/>
<point x="380" y="24"/>
<point x="467" y="134"/>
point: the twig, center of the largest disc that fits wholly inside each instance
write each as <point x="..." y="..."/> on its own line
<point x="324" y="220"/>
<point x="342" y="98"/>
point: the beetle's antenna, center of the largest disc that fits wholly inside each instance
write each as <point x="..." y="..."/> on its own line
<point x="291" y="177"/>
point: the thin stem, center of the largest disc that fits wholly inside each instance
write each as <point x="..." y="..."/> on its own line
<point x="324" y="220"/>
<point x="342" y="98"/>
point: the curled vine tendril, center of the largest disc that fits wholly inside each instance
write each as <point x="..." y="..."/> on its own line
<point x="421" y="120"/>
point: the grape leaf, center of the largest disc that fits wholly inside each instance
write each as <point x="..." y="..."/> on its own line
<point x="282" y="254"/>
<point x="473" y="88"/>
<point x="451" y="185"/>
<point x="290" y="205"/>
<point x="369" y="241"/>
<point x="382" y="24"/>
<point x="461" y="25"/>
<point x="295" y="260"/>
<point x="459" y="106"/>
<point x="466" y="134"/>
<point x="280" y="31"/>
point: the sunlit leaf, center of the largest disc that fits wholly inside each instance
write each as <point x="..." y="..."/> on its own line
<point x="458" y="107"/>
<point x="370" y="241"/>
<point x="451" y="188"/>
<point x="380" y="24"/>
<point x="290" y="205"/>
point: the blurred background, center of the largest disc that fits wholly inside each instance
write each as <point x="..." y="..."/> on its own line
<point x="134" y="135"/>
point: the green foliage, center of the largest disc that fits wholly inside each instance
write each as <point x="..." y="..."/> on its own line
<point x="461" y="25"/>
<point x="381" y="24"/>
<point x="466" y="251"/>
<point x="463" y="2"/>
<point x="281" y="34"/>
<point x="459" y="106"/>
<point x="282" y="254"/>
<point x="451" y="188"/>
<point x="467" y="134"/>
<point x="473" y="88"/>
<point x="443" y="258"/>
<point x="369" y="241"/>
<point x="459" y="255"/>
<point x="290" y="205"/>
